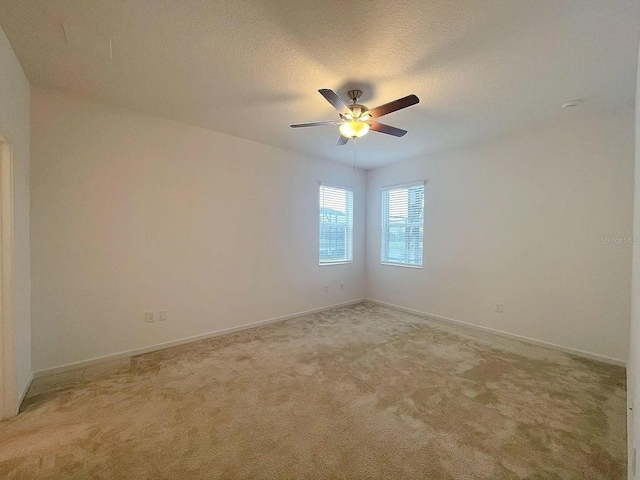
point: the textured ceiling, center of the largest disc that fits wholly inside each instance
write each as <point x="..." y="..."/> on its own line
<point x="250" y="68"/>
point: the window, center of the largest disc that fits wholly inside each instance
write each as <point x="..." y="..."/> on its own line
<point x="336" y="225"/>
<point x="402" y="224"/>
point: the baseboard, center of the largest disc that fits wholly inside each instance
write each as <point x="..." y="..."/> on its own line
<point x="23" y="394"/>
<point x="501" y="333"/>
<point x="174" y="343"/>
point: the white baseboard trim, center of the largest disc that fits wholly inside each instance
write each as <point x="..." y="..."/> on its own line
<point x="174" y="343"/>
<point x="25" y="390"/>
<point x="501" y="333"/>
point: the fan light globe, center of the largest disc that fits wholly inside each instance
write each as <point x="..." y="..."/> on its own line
<point x="354" y="129"/>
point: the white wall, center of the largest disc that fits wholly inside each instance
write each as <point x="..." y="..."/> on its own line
<point x="633" y="365"/>
<point x="14" y="124"/>
<point x="126" y="217"/>
<point x="132" y="212"/>
<point x="519" y="222"/>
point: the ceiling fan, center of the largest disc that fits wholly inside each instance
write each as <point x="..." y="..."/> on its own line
<point x="356" y="120"/>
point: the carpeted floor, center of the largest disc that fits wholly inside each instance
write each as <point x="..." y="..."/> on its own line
<point x="357" y="392"/>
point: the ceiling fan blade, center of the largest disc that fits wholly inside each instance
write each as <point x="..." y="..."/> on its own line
<point x="394" y="106"/>
<point x="313" y="124"/>
<point x="333" y="98"/>
<point x="342" y="141"/>
<point x="388" y="129"/>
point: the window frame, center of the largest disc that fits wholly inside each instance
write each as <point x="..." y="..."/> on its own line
<point x="349" y="223"/>
<point x="384" y="223"/>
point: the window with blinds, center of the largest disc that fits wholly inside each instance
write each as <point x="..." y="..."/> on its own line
<point x="336" y="225"/>
<point x="402" y="224"/>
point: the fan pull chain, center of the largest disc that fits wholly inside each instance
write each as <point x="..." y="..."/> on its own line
<point x="355" y="153"/>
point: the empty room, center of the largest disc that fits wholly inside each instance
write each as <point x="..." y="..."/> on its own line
<point x="362" y="240"/>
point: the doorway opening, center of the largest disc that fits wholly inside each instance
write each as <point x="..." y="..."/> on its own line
<point x="8" y="387"/>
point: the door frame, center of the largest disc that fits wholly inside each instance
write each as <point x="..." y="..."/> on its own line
<point x="8" y="386"/>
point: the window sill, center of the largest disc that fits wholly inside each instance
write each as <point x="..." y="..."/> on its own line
<point x="324" y="264"/>
<point x="405" y="265"/>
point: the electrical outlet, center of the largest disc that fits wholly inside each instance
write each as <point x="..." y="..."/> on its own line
<point x="499" y="307"/>
<point x="326" y="288"/>
<point x="163" y="316"/>
<point x="149" y="317"/>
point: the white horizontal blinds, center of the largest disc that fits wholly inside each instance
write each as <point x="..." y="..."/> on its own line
<point x="402" y="224"/>
<point x="336" y="224"/>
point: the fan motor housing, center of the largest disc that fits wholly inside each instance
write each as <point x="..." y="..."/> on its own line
<point x="357" y="110"/>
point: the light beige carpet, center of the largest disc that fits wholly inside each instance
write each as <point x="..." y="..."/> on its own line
<point x="358" y="392"/>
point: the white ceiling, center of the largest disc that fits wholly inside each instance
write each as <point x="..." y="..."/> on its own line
<point x="250" y="68"/>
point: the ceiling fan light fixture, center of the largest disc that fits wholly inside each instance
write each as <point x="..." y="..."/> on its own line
<point x="356" y="120"/>
<point x="354" y="129"/>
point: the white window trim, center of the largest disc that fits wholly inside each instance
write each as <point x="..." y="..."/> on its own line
<point x="384" y="188"/>
<point x="336" y="185"/>
<point x="405" y="265"/>
<point x="353" y="194"/>
<point x="404" y="185"/>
